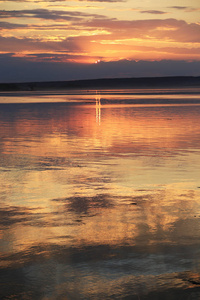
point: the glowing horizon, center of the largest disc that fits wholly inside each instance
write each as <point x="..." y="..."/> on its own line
<point x="87" y="32"/>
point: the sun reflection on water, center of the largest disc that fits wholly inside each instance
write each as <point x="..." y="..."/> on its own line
<point x="98" y="109"/>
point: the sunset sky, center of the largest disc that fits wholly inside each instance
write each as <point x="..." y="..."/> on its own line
<point x="67" y="40"/>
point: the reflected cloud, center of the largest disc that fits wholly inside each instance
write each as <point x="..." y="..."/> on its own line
<point x="147" y="221"/>
<point x="73" y="272"/>
<point x="82" y="205"/>
<point x="143" y="244"/>
<point x="14" y="215"/>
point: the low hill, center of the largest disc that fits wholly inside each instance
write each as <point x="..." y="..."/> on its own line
<point x="110" y="83"/>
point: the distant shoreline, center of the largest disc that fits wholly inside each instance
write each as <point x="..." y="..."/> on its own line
<point x="105" y="83"/>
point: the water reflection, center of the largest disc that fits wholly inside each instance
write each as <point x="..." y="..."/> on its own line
<point x="99" y="201"/>
<point x="98" y="109"/>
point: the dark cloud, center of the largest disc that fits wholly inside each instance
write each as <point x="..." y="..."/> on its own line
<point x="51" y="57"/>
<point x="178" y="7"/>
<point x="110" y="1"/>
<point x="156" y="12"/>
<point x="7" y="25"/>
<point x="52" y="26"/>
<point x="27" y="44"/>
<point x="46" y="14"/>
<point x="15" y="69"/>
<point x="52" y="1"/>
<point x="185" y="8"/>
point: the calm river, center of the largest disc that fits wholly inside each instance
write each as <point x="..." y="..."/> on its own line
<point x="100" y="195"/>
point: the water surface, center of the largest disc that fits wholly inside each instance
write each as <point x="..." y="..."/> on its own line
<point x="100" y="195"/>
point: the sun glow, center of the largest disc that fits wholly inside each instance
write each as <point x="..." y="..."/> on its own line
<point x="43" y="31"/>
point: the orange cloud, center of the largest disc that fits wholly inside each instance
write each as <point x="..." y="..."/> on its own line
<point x="69" y="35"/>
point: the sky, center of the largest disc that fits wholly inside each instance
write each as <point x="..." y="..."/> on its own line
<point x="43" y="40"/>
